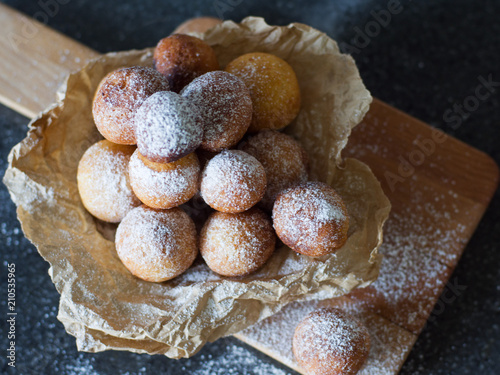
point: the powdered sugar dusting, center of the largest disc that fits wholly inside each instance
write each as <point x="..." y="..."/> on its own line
<point x="168" y="127"/>
<point x="329" y="210"/>
<point x="156" y="245"/>
<point x="389" y="343"/>
<point x="301" y="213"/>
<point x="283" y="158"/>
<point x="410" y="280"/>
<point x="103" y="181"/>
<point x="119" y="95"/>
<point x="226" y="107"/>
<point x="198" y="273"/>
<point x="233" y="181"/>
<point x="330" y="341"/>
<point x="163" y="189"/>
<point x="237" y="244"/>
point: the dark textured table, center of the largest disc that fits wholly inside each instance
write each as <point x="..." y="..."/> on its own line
<point x="425" y="58"/>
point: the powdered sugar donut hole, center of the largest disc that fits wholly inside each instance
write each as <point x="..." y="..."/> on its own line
<point x="181" y="58"/>
<point x="168" y="127"/>
<point x="237" y="244"/>
<point x="328" y="341"/>
<point x="164" y="185"/>
<point x="103" y="181"/>
<point x="311" y="219"/>
<point x="117" y="98"/>
<point x="225" y="105"/>
<point x="233" y="181"/>
<point x="156" y="245"/>
<point x="273" y="86"/>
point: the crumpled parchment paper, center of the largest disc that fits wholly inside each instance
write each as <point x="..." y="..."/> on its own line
<point x="102" y="304"/>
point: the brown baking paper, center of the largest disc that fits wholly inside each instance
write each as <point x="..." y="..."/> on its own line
<point x="102" y="304"/>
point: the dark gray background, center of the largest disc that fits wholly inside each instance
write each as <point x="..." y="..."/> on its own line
<point x="428" y="58"/>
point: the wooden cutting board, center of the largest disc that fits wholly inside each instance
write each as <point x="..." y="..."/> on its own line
<point x="439" y="188"/>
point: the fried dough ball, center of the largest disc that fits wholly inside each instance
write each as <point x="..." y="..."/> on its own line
<point x="156" y="245"/>
<point x="233" y="181"/>
<point x="330" y="342"/>
<point x="283" y="158"/>
<point x="181" y="58"/>
<point x="168" y="127"/>
<point x="273" y="86"/>
<point x="117" y="98"/>
<point x="103" y="181"/>
<point x="237" y="244"/>
<point x="197" y="25"/>
<point x="311" y="219"/>
<point x="164" y="185"/>
<point x="226" y="107"/>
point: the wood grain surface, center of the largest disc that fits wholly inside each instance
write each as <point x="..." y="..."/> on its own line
<point x="439" y="188"/>
<point x="35" y="61"/>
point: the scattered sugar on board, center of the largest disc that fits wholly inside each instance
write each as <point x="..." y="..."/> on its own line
<point x="404" y="267"/>
<point x="446" y="230"/>
<point x="417" y="249"/>
<point x="422" y="238"/>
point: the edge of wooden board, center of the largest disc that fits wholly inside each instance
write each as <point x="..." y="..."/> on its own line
<point x="36" y="60"/>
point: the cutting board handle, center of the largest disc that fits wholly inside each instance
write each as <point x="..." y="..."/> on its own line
<point x="35" y="60"/>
